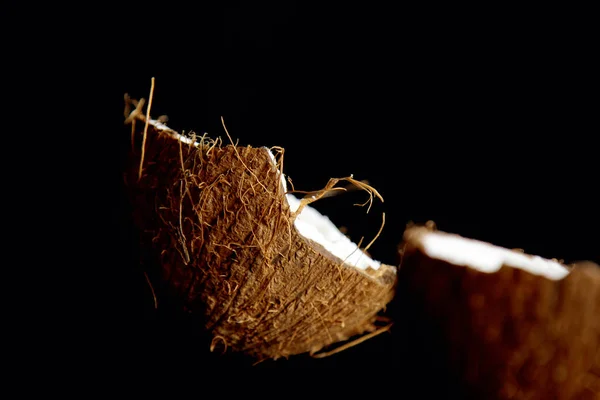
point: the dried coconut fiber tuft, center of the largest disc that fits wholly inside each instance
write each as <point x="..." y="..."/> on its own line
<point x="512" y="325"/>
<point x="269" y="276"/>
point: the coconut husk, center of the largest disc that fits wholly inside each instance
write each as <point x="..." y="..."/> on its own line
<point x="218" y="225"/>
<point x="509" y="334"/>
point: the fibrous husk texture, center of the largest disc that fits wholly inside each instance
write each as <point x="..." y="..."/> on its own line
<point x="509" y="334"/>
<point x="217" y="220"/>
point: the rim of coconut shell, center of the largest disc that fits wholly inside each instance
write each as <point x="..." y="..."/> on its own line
<point x="476" y="254"/>
<point x="309" y="222"/>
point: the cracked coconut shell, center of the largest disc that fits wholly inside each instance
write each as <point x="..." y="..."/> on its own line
<point x="218" y="223"/>
<point x="509" y="333"/>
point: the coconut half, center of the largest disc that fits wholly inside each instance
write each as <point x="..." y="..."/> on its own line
<point x="514" y="325"/>
<point x="267" y="280"/>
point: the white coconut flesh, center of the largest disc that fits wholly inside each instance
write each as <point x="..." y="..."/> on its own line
<point x="310" y="223"/>
<point x="486" y="257"/>
<point x="317" y="227"/>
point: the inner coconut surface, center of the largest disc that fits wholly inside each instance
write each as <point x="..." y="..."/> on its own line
<point x="315" y="226"/>
<point x="486" y="257"/>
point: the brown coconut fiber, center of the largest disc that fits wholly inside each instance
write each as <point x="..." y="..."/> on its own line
<point x="509" y="334"/>
<point x="217" y="221"/>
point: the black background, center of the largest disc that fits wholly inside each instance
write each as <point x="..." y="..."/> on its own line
<point x="478" y="119"/>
